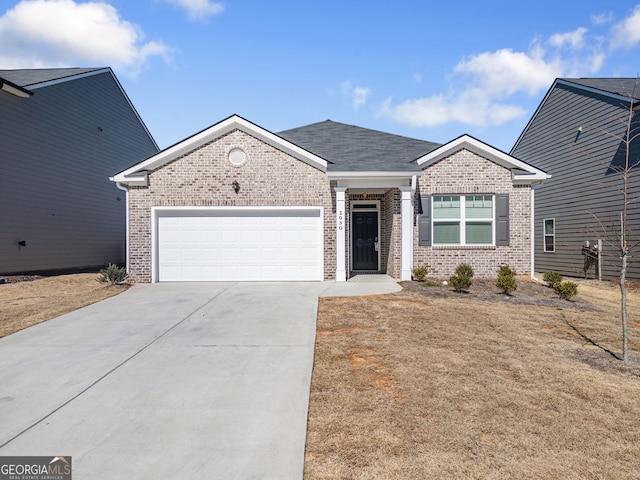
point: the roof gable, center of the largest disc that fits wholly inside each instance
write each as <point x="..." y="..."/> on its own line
<point x="521" y="171"/>
<point x="137" y="174"/>
<point x="622" y="89"/>
<point x="349" y="148"/>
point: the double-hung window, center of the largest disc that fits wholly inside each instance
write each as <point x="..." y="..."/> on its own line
<point x="463" y="220"/>
<point x="549" y="234"/>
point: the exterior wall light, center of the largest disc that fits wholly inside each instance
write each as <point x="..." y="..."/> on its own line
<point x="236" y="186"/>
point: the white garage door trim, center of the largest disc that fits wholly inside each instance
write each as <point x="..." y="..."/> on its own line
<point x="311" y="217"/>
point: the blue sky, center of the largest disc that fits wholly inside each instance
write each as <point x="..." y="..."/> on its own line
<point x="429" y="70"/>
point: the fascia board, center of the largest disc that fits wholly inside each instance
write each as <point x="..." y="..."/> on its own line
<point x="215" y="131"/>
<point x="372" y="174"/>
<point x="369" y="180"/>
<point x="597" y="91"/>
<point x="138" y="179"/>
<point x="14" y="89"/>
<point x="480" y="148"/>
<point x="531" y="178"/>
<point x="69" y="78"/>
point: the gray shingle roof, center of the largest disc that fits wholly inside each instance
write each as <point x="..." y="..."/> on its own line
<point x="27" y="77"/>
<point x="618" y="86"/>
<point x="350" y="149"/>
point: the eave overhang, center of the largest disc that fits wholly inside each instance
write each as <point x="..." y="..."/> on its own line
<point x="14" y="89"/>
<point x="521" y="172"/>
<point x="374" y="179"/>
<point x="137" y="174"/>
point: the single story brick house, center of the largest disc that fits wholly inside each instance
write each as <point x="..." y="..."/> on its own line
<point x="325" y="201"/>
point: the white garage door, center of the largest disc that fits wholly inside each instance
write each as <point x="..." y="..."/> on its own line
<point x="240" y="244"/>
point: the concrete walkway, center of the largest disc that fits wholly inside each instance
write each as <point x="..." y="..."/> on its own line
<point x="171" y="380"/>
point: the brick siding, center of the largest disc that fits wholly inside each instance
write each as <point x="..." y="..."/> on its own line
<point x="467" y="173"/>
<point x="203" y="177"/>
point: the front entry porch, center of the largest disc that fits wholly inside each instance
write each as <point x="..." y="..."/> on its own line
<point x="374" y="226"/>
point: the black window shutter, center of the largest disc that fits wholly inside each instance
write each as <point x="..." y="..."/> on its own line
<point x="502" y="220"/>
<point x="424" y="222"/>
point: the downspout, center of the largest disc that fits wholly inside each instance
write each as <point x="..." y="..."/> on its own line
<point x="533" y="237"/>
<point x="413" y="193"/>
<point x="125" y="189"/>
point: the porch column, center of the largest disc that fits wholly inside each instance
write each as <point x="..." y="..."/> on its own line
<point x="406" y="213"/>
<point x="341" y="271"/>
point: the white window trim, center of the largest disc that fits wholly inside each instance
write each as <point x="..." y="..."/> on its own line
<point x="544" y="235"/>
<point x="463" y="220"/>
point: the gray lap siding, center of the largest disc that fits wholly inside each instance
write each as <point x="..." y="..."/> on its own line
<point x="204" y="177"/>
<point x="467" y="173"/>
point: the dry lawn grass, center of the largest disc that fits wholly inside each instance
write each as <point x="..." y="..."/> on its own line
<point x="434" y="386"/>
<point x="23" y="304"/>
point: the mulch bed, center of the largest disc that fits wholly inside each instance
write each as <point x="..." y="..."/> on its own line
<point x="527" y="293"/>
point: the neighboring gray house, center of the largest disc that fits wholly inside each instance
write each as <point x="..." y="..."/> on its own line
<point x="63" y="132"/>
<point x="575" y="134"/>
<point x="325" y="201"/>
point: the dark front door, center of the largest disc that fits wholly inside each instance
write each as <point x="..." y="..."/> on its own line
<point x="364" y="240"/>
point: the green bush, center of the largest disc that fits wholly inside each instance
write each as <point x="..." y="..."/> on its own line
<point x="552" y="278"/>
<point x="506" y="279"/>
<point x="464" y="269"/>
<point x="566" y="290"/>
<point x="113" y="275"/>
<point x="461" y="281"/>
<point x="419" y="273"/>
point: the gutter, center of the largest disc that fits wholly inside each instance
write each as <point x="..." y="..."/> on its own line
<point x="125" y="189"/>
<point x="14" y="89"/>
<point x="533" y="239"/>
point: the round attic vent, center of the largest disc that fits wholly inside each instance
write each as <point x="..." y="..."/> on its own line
<point x="237" y="156"/>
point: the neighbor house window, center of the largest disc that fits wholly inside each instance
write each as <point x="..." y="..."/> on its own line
<point x="549" y="234"/>
<point x="463" y="220"/>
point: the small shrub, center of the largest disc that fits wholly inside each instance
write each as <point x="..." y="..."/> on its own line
<point x="461" y="281"/>
<point x="464" y="269"/>
<point x="112" y="275"/>
<point x="419" y="273"/>
<point x="566" y="290"/>
<point x="552" y="278"/>
<point x="506" y="279"/>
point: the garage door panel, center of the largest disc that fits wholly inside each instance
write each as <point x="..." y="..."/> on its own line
<point x="235" y="245"/>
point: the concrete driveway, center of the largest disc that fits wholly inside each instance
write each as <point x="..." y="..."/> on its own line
<point x="198" y="380"/>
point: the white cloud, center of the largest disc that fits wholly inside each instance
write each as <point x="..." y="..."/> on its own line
<point x="494" y="77"/>
<point x="59" y="33"/>
<point x="483" y="87"/>
<point x="602" y="18"/>
<point x="573" y="39"/>
<point x="505" y="72"/>
<point x="357" y="95"/>
<point x="471" y="108"/>
<point x="626" y="34"/>
<point x="198" y="10"/>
